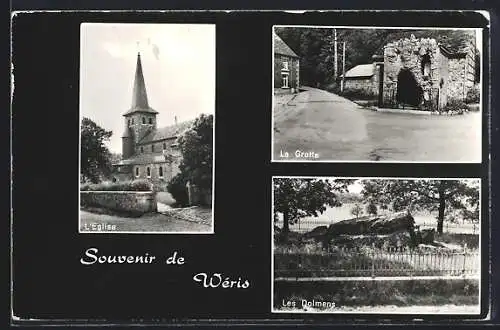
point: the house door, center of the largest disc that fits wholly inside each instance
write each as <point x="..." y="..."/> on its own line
<point x="408" y="92"/>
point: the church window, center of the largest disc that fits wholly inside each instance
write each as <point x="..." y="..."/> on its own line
<point x="148" y="171"/>
<point x="142" y="149"/>
<point x="160" y="172"/>
<point x="150" y="120"/>
<point x="164" y="146"/>
<point x="143" y="120"/>
<point x="152" y="148"/>
<point x="137" y="172"/>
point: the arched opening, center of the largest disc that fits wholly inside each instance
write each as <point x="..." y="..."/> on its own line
<point x="409" y="92"/>
<point x="426" y="65"/>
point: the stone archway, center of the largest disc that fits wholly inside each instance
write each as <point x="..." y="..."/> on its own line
<point x="408" y="92"/>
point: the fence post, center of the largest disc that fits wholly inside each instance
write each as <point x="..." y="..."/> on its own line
<point x="465" y="258"/>
<point x="373" y="260"/>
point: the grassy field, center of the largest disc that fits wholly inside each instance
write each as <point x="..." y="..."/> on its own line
<point x="379" y="293"/>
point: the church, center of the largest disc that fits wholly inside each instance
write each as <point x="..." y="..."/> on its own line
<point x="148" y="152"/>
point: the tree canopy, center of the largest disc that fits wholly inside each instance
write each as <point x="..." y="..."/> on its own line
<point x="316" y="51"/>
<point x="95" y="156"/>
<point x="423" y="194"/>
<point x="196" y="146"/>
<point x="296" y="198"/>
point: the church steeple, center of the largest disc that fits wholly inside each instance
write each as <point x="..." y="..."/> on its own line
<point x="139" y="95"/>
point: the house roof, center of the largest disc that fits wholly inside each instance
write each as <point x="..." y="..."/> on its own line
<point x="139" y="94"/>
<point x="280" y="47"/>
<point x="362" y="70"/>
<point x="451" y="54"/>
<point x="167" y="132"/>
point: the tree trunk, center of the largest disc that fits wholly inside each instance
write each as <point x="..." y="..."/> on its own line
<point x="441" y="208"/>
<point x="286" y="227"/>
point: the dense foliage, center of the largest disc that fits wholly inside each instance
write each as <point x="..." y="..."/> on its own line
<point x="296" y="198"/>
<point x="95" y="156"/>
<point x="424" y="194"/>
<point x="196" y="146"/>
<point x="135" y="185"/>
<point x="316" y="48"/>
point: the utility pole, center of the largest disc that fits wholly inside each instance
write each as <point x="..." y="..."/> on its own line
<point x="343" y="67"/>
<point x="335" y="55"/>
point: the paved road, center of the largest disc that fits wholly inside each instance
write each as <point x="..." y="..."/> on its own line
<point x="325" y="126"/>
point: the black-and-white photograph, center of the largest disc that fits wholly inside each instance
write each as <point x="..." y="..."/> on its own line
<point x="147" y="106"/>
<point x="358" y="94"/>
<point x="376" y="245"/>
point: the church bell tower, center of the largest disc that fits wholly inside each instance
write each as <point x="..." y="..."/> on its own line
<point x="140" y="119"/>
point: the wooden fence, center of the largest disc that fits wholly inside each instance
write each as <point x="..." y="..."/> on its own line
<point x="376" y="263"/>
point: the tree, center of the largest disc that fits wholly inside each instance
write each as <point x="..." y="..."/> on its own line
<point x="296" y="198"/>
<point x="371" y="208"/>
<point x="357" y="210"/>
<point x="95" y="156"/>
<point x="196" y="146"/>
<point x="315" y="47"/>
<point x="423" y="194"/>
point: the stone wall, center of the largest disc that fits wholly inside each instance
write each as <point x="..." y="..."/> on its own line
<point x="462" y="72"/>
<point x="368" y="85"/>
<point x="407" y="54"/>
<point x="443" y="82"/>
<point x="135" y="202"/>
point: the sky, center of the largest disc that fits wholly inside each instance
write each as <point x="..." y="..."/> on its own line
<point x="178" y="62"/>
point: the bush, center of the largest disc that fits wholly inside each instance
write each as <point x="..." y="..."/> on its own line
<point x="135" y="185"/>
<point x="473" y="95"/>
<point x="455" y="106"/>
<point x="332" y="87"/>
<point x="177" y="188"/>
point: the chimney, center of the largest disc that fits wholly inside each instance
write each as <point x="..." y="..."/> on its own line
<point x="175" y="120"/>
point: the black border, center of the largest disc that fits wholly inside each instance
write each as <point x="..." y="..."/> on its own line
<point x="399" y="169"/>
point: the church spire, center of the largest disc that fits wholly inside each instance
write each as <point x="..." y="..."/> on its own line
<point x="139" y="96"/>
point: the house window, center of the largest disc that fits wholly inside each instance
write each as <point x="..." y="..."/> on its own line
<point x="164" y="146"/>
<point x="284" y="80"/>
<point x="152" y="148"/>
<point x="137" y="172"/>
<point x="148" y="172"/>
<point x="150" y="120"/>
<point x="132" y="121"/>
<point x="142" y="150"/>
<point x="143" y="120"/>
<point x="285" y="65"/>
<point x="160" y="172"/>
<point x="129" y="121"/>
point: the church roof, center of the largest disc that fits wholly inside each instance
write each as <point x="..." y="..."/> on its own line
<point x="139" y="94"/>
<point x="280" y="47"/>
<point x="167" y="132"/>
<point x="359" y="71"/>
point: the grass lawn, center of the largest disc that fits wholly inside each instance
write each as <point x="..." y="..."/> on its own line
<point x="381" y="293"/>
<point x="152" y="222"/>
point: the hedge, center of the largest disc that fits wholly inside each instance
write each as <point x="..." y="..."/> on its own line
<point x="135" y="185"/>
